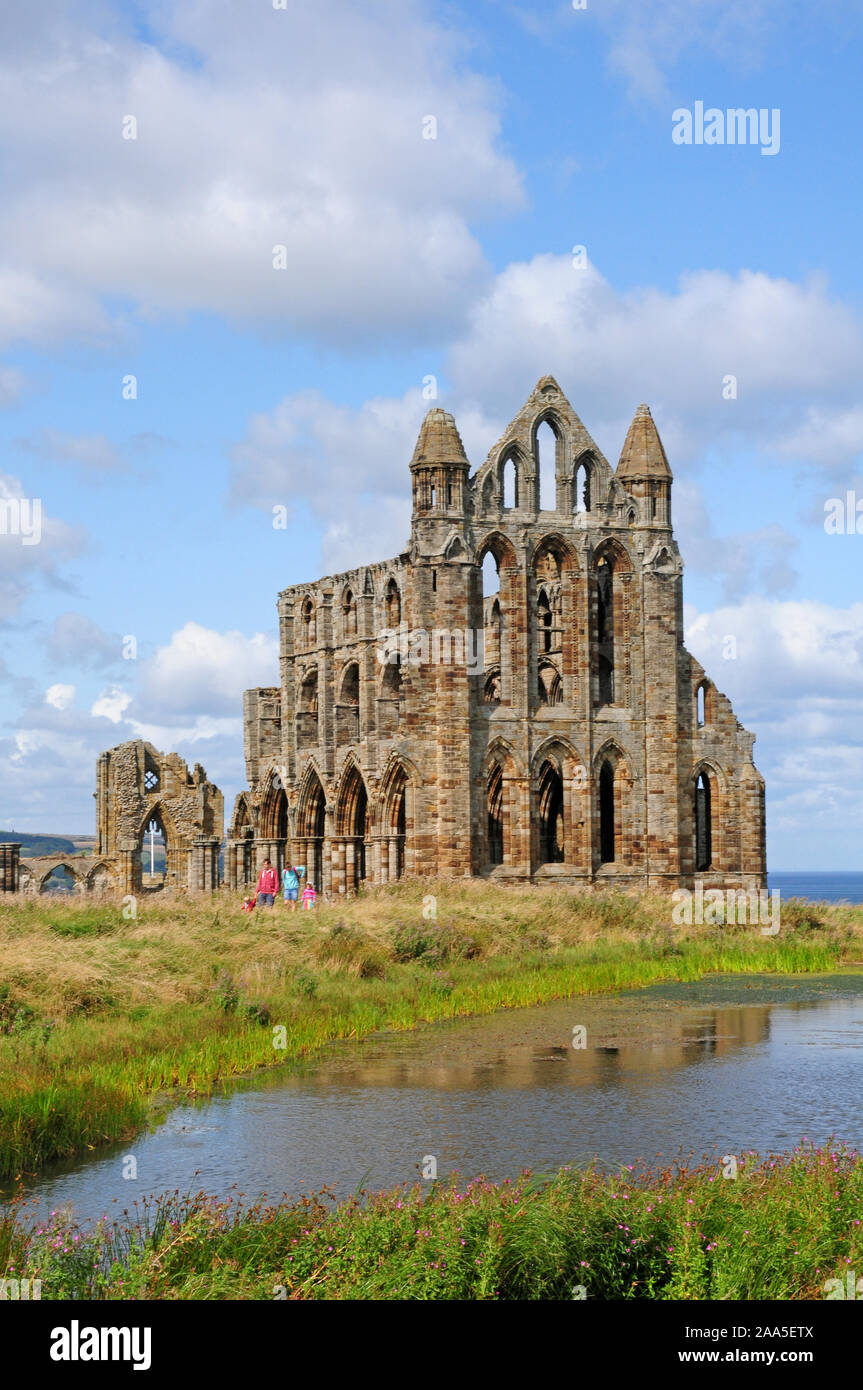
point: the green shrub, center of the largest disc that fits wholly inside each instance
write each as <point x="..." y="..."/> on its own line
<point x="257" y="1012"/>
<point x="226" y="992"/>
<point x="431" y="944"/>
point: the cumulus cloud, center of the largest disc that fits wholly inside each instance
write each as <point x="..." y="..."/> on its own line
<point x="795" y="675"/>
<point x="254" y="128"/>
<point x="202" y="673"/>
<point x="60" y="696"/>
<point x="186" y="698"/>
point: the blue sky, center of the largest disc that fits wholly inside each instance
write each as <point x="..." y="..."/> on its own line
<point x="408" y="257"/>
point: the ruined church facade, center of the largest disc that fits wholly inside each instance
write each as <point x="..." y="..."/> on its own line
<point x="548" y="725"/>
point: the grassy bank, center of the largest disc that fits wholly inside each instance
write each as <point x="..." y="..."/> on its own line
<point x="98" y="1013"/>
<point x="780" y="1229"/>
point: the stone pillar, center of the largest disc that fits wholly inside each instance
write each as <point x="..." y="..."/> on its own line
<point x="129" y="880"/>
<point x="204" y="864"/>
<point x="394" y="858"/>
<point x="382" y="857"/>
<point x="260" y="852"/>
<point x="10" y="856"/>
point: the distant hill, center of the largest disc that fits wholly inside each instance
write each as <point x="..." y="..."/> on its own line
<point x="32" y="844"/>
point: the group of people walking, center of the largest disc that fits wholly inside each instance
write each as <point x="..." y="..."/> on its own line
<point x="268" y="888"/>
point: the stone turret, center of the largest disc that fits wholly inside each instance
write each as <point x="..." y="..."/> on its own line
<point x="439" y="468"/>
<point x="644" y="471"/>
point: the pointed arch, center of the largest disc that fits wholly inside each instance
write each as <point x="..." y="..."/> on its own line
<point x="308" y="621"/>
<point x="390" y="699"/>
<point x="705" y="703"/>
<point x="392" y="602"/>
<point x="307" y="709"/>
<point x="311" y="825"/>
<point x="99" y="877"/>
<point x="612" y="782"/>
<point x="611" y="624"/>
<point x="708" y="789"/>
<point x="547" y="442"/>
<point x="584" y="483"/>
<point x="549" y="684"/>
<point x="394" y="817"/>
<point x="59" y="864"/>
<point x="349" y="612"/>
<point x="492" y="611"/>
<point x="550" y="813"/>
<point x="273" y="817"/>
<point x="498" y="803"/>
<point x="347" y="710"/>
<point x="352" y="804"/>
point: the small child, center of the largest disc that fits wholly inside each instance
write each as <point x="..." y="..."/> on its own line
<point x="248" y="904"/>
<point x="309" y="897"/>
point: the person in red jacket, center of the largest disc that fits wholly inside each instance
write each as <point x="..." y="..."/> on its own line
<point x="268" y="885"/>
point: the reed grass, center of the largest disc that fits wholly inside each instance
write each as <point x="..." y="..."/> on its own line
<point x="100" y="1014"/>
<point x="782" y="1228"/>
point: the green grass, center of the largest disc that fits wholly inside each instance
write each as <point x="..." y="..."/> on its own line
<point x="780" y="1229"/>
<point x="100" y="1014"/>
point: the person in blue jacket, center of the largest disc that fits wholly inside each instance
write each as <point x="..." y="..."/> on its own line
<point x="291" y="875"/>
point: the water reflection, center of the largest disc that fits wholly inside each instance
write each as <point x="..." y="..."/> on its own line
<point x="725" y="1065"/>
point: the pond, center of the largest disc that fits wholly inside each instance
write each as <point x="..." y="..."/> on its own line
<point x="719" y="1066"/>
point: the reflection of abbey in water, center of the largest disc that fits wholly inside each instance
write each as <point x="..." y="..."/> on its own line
<point x="590" y="748"/>
<point x="627" y="1043"/>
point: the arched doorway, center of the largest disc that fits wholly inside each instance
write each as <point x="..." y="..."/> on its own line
<point x="311" y="827"/>
<point x="153" y="853"/>
<point x="352" y="814"/>
<point x="494" y="804"/>
<point x="551" y="817"/>
<point x="394" y="827"/>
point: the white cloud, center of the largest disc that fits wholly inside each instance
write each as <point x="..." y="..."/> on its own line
<point x="60" y="696"/>
<point x="202" y="674"/>
<point x="255" y="128"/>
<point x="111" y="704"/>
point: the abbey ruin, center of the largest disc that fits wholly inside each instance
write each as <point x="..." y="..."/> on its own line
<point x="585" y="746"/>
<point x="508" y="697"/>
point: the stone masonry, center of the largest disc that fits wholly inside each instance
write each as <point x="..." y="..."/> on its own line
<point x="136" y="786"/>
<point x="550" y="726"/>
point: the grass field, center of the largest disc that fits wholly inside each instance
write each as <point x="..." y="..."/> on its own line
<point x="782" y="1228"/>
<point x="100" y="1013"/>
